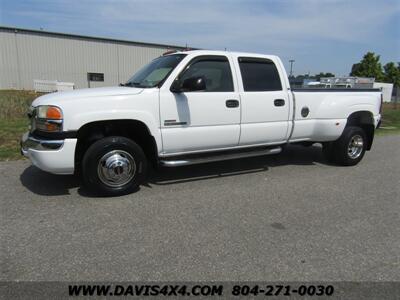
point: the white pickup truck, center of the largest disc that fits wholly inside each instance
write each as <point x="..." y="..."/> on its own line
<point x="192" y="107"/>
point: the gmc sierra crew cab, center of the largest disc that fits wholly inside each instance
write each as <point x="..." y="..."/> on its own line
<point x="193" y="107"/>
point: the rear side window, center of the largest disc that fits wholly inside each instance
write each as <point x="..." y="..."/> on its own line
<point x="215" y="70"/>
<point x="259" y="75"/>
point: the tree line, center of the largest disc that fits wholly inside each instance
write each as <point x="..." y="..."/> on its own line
<point x="369" y="66"/>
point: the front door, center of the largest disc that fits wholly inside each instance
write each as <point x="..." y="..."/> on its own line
<point x="201" y="120"/>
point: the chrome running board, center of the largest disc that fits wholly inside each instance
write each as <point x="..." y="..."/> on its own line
<point x="218" y="157"/>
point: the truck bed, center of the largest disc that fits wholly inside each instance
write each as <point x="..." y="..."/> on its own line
<point x="328" y="110"/>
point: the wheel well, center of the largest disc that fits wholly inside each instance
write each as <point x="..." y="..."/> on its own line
<point x="132" y="129"/>
<point x="365" y="120"/>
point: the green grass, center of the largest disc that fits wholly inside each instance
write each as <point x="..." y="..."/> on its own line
<point x="13" y="121"/>
<point x="390" y="119"/>
<point x="15" y="104"/>
<point x="10" y="135"/>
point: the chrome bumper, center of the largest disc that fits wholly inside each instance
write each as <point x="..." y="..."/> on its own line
<point x="30" y="142"/>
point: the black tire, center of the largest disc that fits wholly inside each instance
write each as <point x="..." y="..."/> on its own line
<point x="341" y="152"/>
<point x="125" y="160"/>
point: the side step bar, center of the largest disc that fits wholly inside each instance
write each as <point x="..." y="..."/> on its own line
<point x="218" y="157"/>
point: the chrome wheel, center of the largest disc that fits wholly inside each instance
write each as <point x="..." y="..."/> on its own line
<point x="116" y="168"/>
<point x="355" y="147"/>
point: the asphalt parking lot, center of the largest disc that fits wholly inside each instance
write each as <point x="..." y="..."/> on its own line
<point x="286" y="217"/>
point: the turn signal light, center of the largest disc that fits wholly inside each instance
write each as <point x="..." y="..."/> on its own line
<point x="52" y="126"/>
<point x="53" y="113"/>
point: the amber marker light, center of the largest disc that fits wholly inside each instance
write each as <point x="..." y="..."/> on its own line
<point x="53" y="113"/>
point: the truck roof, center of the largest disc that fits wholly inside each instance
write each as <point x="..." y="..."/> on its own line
<point x="221" y="52"/>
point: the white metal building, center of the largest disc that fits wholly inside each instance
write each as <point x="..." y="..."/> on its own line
<point x="28" y="55"/>
<point x="387" y="90"/>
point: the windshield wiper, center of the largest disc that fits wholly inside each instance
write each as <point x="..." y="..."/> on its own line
<point x="129" y="84"/>
<point x="133" y="84"/>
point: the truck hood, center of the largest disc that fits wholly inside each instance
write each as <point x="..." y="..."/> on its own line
<point x="60" y="97"/>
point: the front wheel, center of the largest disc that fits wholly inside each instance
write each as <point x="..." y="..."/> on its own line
<point x="349" y="149"/>
<point x="114" y="166"/>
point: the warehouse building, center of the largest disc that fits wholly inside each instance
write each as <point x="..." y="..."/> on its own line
<point x="72" y="60"/>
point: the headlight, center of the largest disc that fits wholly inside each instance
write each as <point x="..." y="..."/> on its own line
<point x="49" y="112"/>
<point x="48" y="118"/>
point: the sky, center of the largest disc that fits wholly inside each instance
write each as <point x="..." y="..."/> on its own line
<point x="320" y="35"/>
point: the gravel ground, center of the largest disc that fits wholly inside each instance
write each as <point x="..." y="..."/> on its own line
<point x="287" y="217"/>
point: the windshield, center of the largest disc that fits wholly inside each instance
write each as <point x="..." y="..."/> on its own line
<point x="154" y="73"/>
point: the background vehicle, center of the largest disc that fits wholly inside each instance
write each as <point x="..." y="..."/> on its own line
<point x="193" y="107"/>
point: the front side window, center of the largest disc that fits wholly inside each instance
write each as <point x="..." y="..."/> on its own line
<point x="259" y="75"/>
<point x="215" y="70"/>
<point x="155" y="73"/>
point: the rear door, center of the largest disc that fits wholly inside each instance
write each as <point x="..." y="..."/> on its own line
<point x="201" y="120"/>
<point x="265" y="103"/>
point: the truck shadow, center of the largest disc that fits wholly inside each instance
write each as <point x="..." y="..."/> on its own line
<point x="45" y="184"/>
<point x="292" y="155"/>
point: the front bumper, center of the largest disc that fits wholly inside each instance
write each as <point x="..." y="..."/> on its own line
<point x="30" y="142"/>
<point x="54" y="156"/>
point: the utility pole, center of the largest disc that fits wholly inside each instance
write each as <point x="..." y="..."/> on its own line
<point x="291" y="67"/>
